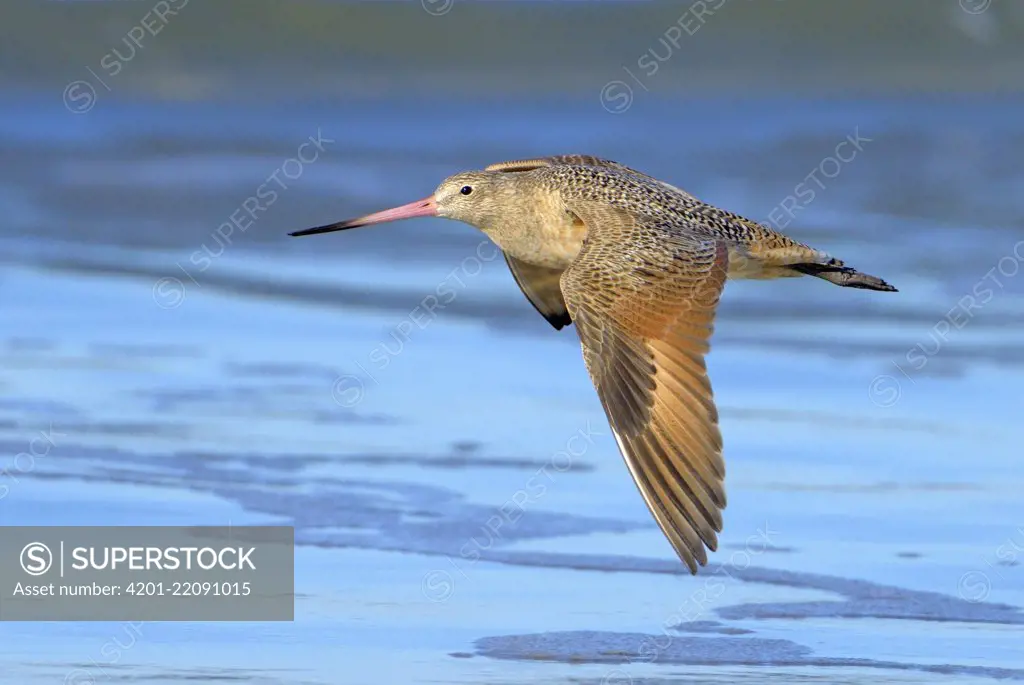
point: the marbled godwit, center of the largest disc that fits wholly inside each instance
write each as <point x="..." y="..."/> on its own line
<point x="638" y="265"/>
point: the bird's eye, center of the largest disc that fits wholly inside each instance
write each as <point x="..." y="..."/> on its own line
<point x="466" y="190"/>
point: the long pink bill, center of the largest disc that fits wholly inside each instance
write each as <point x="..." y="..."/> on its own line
<point x="424" y="207"/>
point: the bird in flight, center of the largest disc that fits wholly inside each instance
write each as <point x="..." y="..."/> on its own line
<point x="638" y="265"/>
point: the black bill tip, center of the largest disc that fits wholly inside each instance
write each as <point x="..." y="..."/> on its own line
<point x="328" y="228"/>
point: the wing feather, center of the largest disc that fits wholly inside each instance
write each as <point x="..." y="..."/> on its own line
<point x="517" y="165"/>
<point x="643" y="296"/>
<point x="542" y="288"/>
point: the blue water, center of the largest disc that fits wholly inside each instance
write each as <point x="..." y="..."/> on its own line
<point x="875" y="526"/>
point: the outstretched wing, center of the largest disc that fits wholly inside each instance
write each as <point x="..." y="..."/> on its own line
<point x="577" y="160"/>
<point x="542" y="288"/>
<point x="643" y="296"/>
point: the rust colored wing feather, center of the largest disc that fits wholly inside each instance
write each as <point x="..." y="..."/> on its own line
<point x="643" y="295"/>
<point x="542" y="288"/>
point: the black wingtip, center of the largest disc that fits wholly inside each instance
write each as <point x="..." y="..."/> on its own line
<point x="558" y="320"/>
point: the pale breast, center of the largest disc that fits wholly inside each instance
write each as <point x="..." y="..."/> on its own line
<point x="562" y="241"/>
<point x="545" y="234"/>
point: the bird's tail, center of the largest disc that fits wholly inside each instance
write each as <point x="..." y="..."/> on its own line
<point x="846" y="276"/>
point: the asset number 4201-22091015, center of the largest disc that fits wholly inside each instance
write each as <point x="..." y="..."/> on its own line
<point x="189" y="589"/>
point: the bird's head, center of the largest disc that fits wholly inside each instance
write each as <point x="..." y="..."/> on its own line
<point x="472" y="197"/>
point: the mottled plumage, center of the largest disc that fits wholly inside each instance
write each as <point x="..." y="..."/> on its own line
<point x="639" y="266"/>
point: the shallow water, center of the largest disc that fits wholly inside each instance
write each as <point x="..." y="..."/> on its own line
<point x="462" y="513"/>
